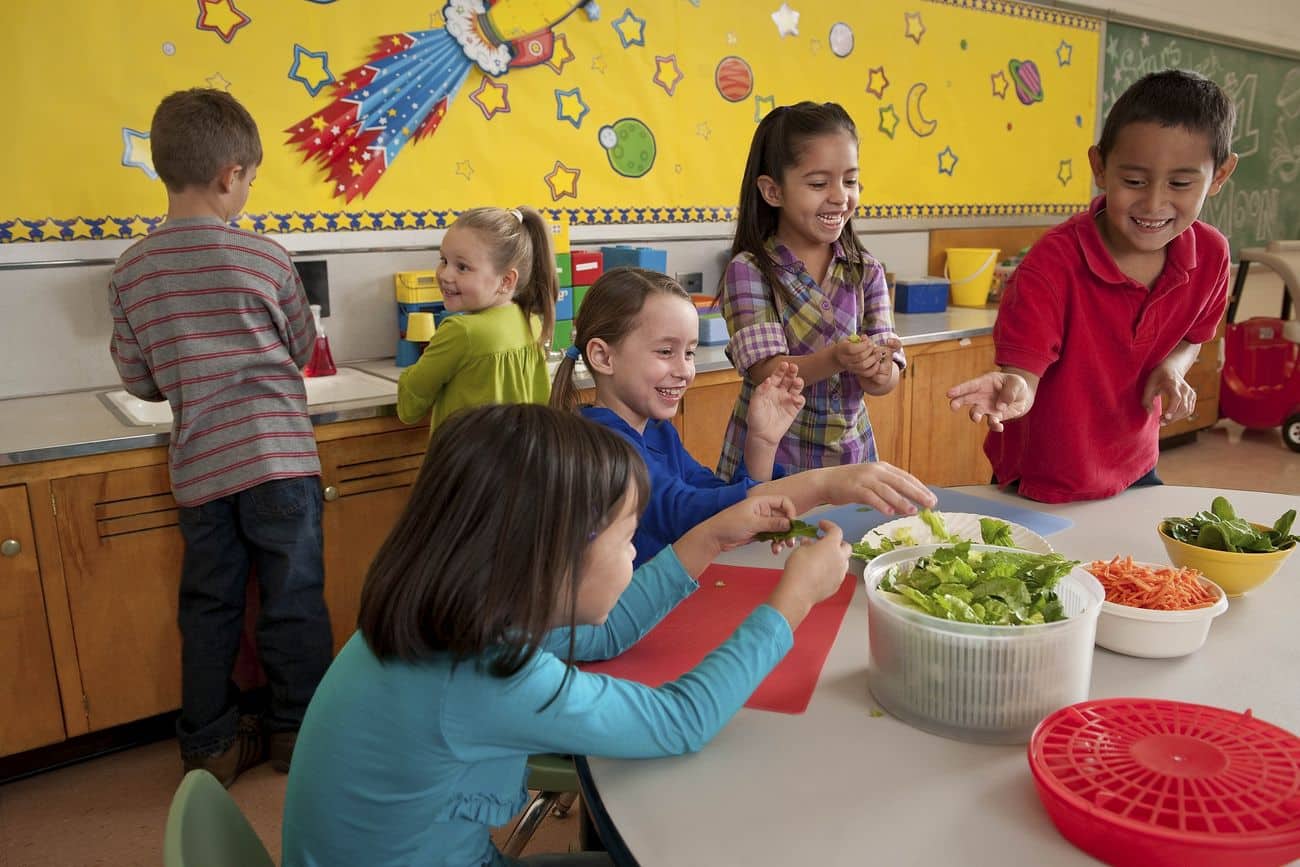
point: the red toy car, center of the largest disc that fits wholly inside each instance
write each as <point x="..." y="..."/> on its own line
<point x="1261" y="356"/>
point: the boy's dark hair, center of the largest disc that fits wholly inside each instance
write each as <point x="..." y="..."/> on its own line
<point x="485" y="556"/>
<point x="609" y="312"/>
<point x="520" y="239"/>
<point x="778" y="144"/>
<point x="196" y="133"/>
<point x="1174" y="97"/>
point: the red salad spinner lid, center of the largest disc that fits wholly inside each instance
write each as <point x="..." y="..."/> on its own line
<point x="1183" y="772"/>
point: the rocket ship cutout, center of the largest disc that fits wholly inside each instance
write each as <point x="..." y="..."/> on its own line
<point x="402" y="92"/>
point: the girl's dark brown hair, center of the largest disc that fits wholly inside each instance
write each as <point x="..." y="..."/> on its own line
<point x="778" y="145"/>
<point x="608" y="313"/>
<point x="519" y="238"/>
<point x="485" y="557"/>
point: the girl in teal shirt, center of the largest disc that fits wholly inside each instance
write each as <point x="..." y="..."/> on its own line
<point x="512" y="560"/>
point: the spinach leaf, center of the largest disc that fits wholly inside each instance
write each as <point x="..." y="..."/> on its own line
<point x="1221" y="530"/>
<point x="797" y="528"/>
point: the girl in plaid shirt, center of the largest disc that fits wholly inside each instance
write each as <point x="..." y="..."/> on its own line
<point x="801" y="289"/>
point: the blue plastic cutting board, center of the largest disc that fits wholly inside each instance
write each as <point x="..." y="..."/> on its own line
<point x="855" y="524"/>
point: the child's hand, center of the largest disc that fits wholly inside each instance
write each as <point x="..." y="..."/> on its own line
<point x="882" y="359"/>
<point x="880" y="485"/>
<point x="775" y="403"/>
<point x="814" y="571"/>
<point x="994" y="398"/>
<point x="856" y="355"/>
<point x="738" y="524"/>
<point x="1177" y="398"/>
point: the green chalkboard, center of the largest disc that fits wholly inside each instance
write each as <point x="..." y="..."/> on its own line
<point x="1261" y="202"/>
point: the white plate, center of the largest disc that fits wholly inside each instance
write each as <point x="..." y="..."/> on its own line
<point x="963" y="525"/>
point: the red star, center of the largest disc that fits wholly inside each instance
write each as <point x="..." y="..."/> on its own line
<point x="221" y="17"/>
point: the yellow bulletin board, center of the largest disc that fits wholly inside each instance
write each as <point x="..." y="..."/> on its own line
<point x="398" y="114"/>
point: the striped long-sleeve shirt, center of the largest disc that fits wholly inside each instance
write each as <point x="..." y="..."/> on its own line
<point x="215" y="321"/>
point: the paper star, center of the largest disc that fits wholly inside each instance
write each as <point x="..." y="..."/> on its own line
<point x="913" y="26"/>
<point x="703" y="131"/>
<point x="560" y="53"/>
<point x="388" y="220"/>
<point x="138" y="228"/>
<point x="1000" y="84"/>
<point x="49" y="231"/>
<point x="1065" y="172"/>
<point x="16" y="231"/>
<point x="295" y="223"/>
<point x="464" y="169"/>
<point x="814" y="46"/>
<point x="217" y="81"/>
<point x="877" y="82"/>
<point x="247" y="223"/>
<point x="569" y="106"/>
<point x="136" y="152"/>
<point x="1064" y="52"/>
<point x="563" y="181"/>
<point x="311" y="68"/>
<point x="786" y="20"/>
<point x="221" y="17"/>
<point x="80" y="228"/>
<point x="1146" y="40"/>
<point x="731" y="39"/>
<point x="888" y="120"/>
<point x="630" y="29"/>
<point x="759" y="103"/>
<point x="491" y="97"/>
<point x="1112" y="46"/>
<point x="598" y="63"/>
<point x="947" y="161"/>
<point x="667" y="73"/>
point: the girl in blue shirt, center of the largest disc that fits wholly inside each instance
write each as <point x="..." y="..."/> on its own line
<point x="637" y="331"/>
<point x="512" y="560"/>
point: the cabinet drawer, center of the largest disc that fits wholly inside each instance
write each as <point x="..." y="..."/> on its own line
<point x="1207" y="413"/>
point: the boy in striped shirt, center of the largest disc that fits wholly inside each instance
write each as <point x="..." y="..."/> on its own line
<point x="215" y="321"/>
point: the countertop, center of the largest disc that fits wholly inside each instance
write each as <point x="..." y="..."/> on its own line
<point x="72" y="424"/>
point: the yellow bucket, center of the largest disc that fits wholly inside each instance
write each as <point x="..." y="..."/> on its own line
<point x="970" y="270"/>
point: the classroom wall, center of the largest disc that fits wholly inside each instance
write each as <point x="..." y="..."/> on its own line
<point x="1263" y="22"/>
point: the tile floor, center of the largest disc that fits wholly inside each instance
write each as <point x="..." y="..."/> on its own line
<point x="111" y="811"/>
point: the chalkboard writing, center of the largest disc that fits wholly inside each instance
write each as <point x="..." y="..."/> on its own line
<point x="1261" y="202"/>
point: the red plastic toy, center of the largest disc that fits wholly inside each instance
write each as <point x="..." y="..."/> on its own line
<point x="1261" y="356"/>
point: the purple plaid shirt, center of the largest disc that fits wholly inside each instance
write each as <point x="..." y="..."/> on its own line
<point x="832" y="428"/>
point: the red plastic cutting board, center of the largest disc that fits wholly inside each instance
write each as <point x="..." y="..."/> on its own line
<point x="708" y="616"/>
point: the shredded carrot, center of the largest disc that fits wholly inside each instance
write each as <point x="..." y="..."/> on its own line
<point x="1164" y="588"/>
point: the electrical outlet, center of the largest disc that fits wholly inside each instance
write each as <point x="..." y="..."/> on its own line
<point x="692" y="282"/>
<point x="314" y="274"/>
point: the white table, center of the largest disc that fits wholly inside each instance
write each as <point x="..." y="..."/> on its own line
<point x="837" y="786"/>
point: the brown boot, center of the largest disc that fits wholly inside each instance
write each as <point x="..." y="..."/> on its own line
<point x="280" y="750"/>
<point x="246" y="751"/>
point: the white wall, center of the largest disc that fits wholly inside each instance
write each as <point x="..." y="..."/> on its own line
<point x="1272" y="23"/>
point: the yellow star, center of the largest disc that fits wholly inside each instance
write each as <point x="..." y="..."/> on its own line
<point x="246" y="222"/>
<point x="572" y="108"/>
<point x="490" y="97"/>
<point x="318" y="123"/>
<point x="396" y="40"/>
<point x="221" y="16"/>
<point x="406" y="131"/>
<point x="50" y="231"/>
<point x="19" y="231"/>
<point x="356" y="168"/>
<point x="563" y="181"/>
<point x="392" y="112"/>
<point x="913" y="26"/>
<point x="296" y="222"/>
<point x="80" y="229"/>
<point x="464" y="169"/>
<point x="138" y="228"/>
<point x="388" y="220"/>
<point x="560" y="53"/>
<point x="217" y="81"/>
<point x="667" y="73"/>
<point x="365" y="221"/>
<point x="598" y="63"/>
<point x="877" y="82"/>
<point x="1000" y="84"/>
<point x="312" y="71"/>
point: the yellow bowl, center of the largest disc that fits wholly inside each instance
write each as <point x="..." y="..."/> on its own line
<point x="1234" y="571"/>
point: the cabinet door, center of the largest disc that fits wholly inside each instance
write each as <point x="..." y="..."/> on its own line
<point x="946" y="448"/>
<point x="367" y="482"/>
<point x="890" y="420"/>
<point x="122" y="553"/>
<point x="30" y="712"/>
<point x="705" y="411"/>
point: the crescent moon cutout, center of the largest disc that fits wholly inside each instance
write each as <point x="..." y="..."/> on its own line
<point x="915" y="119"/>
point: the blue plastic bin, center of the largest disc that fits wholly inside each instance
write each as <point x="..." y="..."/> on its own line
<point x="713" y="330"/>
<point x="921" y="295"/>
<point x="564" y="304"/>
<point x="650" y="258"/>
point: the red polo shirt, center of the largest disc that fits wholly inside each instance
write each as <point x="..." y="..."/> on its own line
<point x="1094" y="335"/>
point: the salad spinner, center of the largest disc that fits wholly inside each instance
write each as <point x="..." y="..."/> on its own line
<point x="1137" y="781"/>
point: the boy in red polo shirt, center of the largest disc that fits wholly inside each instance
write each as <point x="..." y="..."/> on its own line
<point x="1104" y="316"/>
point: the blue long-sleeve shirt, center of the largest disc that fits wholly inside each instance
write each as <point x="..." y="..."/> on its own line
<point x="683" y="491"/>
<point x="402" y="763"/>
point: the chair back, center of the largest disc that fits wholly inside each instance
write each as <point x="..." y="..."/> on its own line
<point x="206" y="829"/>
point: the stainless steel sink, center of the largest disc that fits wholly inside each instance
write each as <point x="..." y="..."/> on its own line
<point x="348" y="384"/>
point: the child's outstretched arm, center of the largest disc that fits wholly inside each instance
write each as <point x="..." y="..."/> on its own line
<point x="1167" y="382"/>
<point x="995" y="397"/>
<point x="878" y="484"/>
<point x="732" y="527"/>
<point x="772" y="408"/>
<point x="877" y="373"/>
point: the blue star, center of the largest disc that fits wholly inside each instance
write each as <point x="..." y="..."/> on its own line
<point x="136" y="153"/>
<point x="569" y="106"/>
<point x="947" y="161"/>
<point x="1064" y="52"/>
<point x="317" y="72"/>
<point x="630" y="29"/>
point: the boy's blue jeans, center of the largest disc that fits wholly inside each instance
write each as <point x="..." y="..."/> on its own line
<point x="274" y="527"/>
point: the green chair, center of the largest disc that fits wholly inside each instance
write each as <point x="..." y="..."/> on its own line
<point x="206" y="829"/>
<point x="556" y="781"/>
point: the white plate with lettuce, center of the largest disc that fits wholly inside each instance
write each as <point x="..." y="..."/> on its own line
<point x="934" y="528"/>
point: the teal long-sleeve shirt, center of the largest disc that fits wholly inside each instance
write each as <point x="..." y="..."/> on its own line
<point x="413" y="763"/>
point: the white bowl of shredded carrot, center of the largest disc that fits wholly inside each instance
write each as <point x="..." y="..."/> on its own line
<point x="1153" y="610"/>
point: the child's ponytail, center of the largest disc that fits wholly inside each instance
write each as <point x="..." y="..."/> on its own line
<point x="564" y="391"/>
<point x="538" y="290"/>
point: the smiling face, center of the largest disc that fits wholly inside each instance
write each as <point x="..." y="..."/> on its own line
<point x="645" y="374"/>
<point x="1156" y="179"/>
<point x="468" y="279"/>
<point x="606" y="568"/>
<point x="818" y="194"/>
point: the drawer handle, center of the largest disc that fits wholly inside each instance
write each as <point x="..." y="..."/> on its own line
<point x="331" y="493"/>
<point x="11" y="547"/>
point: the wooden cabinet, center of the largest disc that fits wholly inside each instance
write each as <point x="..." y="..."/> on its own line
<point x="1203" y="376"/>
<point x="29" y="689"/>
<point x="945" y="447"/>
<point x="706" y="409"/>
